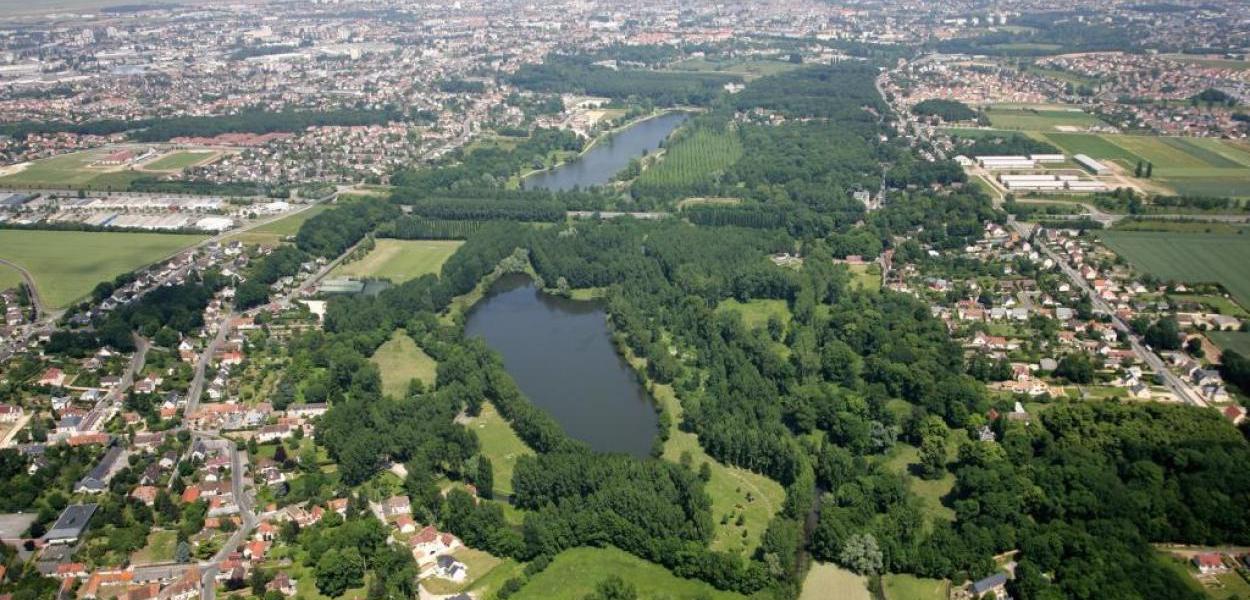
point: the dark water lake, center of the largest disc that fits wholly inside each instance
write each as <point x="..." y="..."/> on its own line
<point x="560" y="353"/>
<point x="609" y="156"/>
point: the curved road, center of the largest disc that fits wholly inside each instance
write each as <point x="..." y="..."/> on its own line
<point x="40" y="308"/>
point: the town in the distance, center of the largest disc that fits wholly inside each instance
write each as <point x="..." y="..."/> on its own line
<point x="598" y="300"/>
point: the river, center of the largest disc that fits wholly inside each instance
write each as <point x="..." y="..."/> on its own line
<point x="560" y="353"/>
<point x="609" y="156"/>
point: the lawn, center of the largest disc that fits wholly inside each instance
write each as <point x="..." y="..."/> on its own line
<point x="9" y="277"/>
<point x="1218" y="304"/>
<point x="66" y="265"/>
<point x="1188" y="257"/>
<point x="400" y="260"/>
<point x="177" y="161"/>
<point x="501" y="445"/>
<point x="1238" y="341"/>
<point x="910" y="587"/>
<point x="734" y="492"/>
<point x="271" y="234"/>
<point x="73" y="171"/>
<point x="930" y="491"/>
<point x="160" y="548"/>
<point x="755" y="313"/>
<point x="1039" y="120"/>
<point x="826" y="581"/>
<point x="478" y="563"/>
<point x="573" y="575"/>
<point x="865" y="277"/>
<point x="401" y="360"/>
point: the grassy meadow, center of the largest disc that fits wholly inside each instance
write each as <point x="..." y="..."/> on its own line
<point x="400" y="360"/>
<point x="74" y="171"/>
<point x="66" y="265"/>
<point x="272" y="234"/>
<point x="501" y="445"/>
<point x="400" y="260"/>
<point x="573" y="574"/>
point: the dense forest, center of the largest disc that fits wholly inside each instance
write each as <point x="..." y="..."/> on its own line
<point x="947" y="110"/>
<point x="580" y="75"/>
<point x="247" y="121"/>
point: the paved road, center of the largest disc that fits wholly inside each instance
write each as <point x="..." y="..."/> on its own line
<point x="1179" y="387"/>
<point x="208" y="584"/>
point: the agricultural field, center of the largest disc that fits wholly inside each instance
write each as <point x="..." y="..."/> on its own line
<point x="1192" y="166"/>
<point x="1237" y="341"/>
<point x="177" y="161"/>
<point x="692" y="162"/>
<point x="66" y="265"/>
<point x="1032" y="119"/>
<point x="272" y="234"/>
<point x="501" y="445"/>
<point x="74" y="171"/>
<point x="825" y="581"/>
<point x="400" y="260"/>
<point x="9" y="277"/>
<point x="573" y="574"/>
<point x="400" y="360"/>
<point x="1188" y="257"/>
<point x="910" y="587"/>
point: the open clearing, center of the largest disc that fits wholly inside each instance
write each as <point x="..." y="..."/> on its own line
<point x="66" y="265"/>
<point x="573" y="574"/>
<point x="74" y="171"/>
<point x="1188" y="257"/>
<point x="177" y="161"/>
<point x="747" y="69"/>
<point x="401" y="260"/>
<point x="829" y="582"/>
<point x="400" y="360"/>
<point x="501" y="445"/>
<point x="865" y="277"/>
<point x="756" y="313"/>
<point x="910" y="587"/>
<point x="160" y="548"/>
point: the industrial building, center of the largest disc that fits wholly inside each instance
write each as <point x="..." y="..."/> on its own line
<point x="1006" y="162"/>
<point x="70" y="525"/>
<point x="1094" y="166"/>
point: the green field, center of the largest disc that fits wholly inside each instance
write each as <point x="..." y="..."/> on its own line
<point x="828" y="581"/>
<point x="501" y="445"/>
<point x="930" y="492"/>
<point x="1191" y="166"/>
<point x="400" y="360"/>
<point x="160" y="548"/>
<point x="1188" y="257"/>
<point x="1091" y="144"/>
<point x="272" y="234"/>
<point x="1039" y="120"/>
<point x="865" y="277"/>
<point x="9" y="277"/>
<point x="755" y="313"/>
<point x="695" y="159"/>
<point x="910" y="587"/>
<point x="1238" y="341"/>
<point x="573" y="574"/>
<point x="747" y="69"/>
<point x="177" y="161"/>
<point x="400" y="260"/>
<point x="66" y="265"/>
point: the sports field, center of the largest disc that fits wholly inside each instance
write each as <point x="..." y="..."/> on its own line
<point x="177" y="161"/>
<point x="401" y="360"/>
<point x="1031" y="119"/>
<point x="1188" y="257"/>
<point x="400" y="260"/>
<point x="76" y="170"/>
<point x="66" y="265"/>
<point x="573" y="575"/>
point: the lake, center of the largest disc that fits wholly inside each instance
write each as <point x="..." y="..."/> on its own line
<point x="607" y="157"/>
<point x="560" y="353"/>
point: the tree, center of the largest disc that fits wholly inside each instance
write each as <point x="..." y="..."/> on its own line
<point x="1137" y="172"/>
<point x="338" y="570"/>
<point x="861" y="554"/>
<point x="1150" y="167"/>
<point x="1076" y="367"/>
<point x="182" y="554"/>
<point x="485" y="477"/>
<point x="1165" y="334"/>
<point x="613" y="588"/>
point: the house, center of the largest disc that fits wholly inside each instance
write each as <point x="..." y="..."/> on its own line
<point x="430" y="543"/>
<point x="186" y="588"/>
<point x="53" y="377"/>
<point x="405" y="524"/>
<point x="145" y="494"/>
<point x="307" y="411"/>
<point x="1209" y="562"/>
<point x="281" y="583"/>
<point x="995" y="585"/>
<point x="449" y="568"/>
<point x="72" y="570"/>
<point x="985" y="434"/>
<point x="1235" y="413"/>
<point x="10" y="413"/>
<point x="97" y="480"/>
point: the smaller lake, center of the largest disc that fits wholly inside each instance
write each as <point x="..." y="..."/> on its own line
<point x="607" y="157"/>
<point x="560" y="353"/>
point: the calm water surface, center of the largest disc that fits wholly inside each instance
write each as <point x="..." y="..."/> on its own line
<point x="560" y="353"/>
<point x="609" y="156"/>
